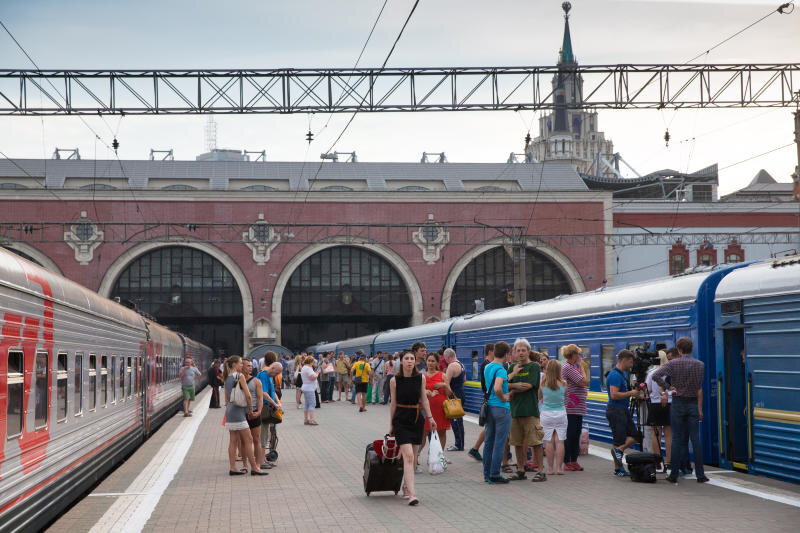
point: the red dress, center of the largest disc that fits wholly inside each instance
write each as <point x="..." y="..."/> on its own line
<point x="436" y="402"/>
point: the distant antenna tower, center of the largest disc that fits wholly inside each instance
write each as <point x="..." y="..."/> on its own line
<point x="211" y="134"/>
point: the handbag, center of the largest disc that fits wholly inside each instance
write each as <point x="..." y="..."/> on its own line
<point x="237" y="394"/>
<point x="298" y="381"/>
<point x="452" y="407"/>
<point x="484" y="412"/>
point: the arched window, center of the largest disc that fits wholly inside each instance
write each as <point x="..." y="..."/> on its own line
<point x="413" y="188"/>
<point x="336" y="188"/>
<point x="490" y="277"/>
<point x="98" y="187"/>
<point x="179" y="187"/>
<point x="339" y="293"/>
<point x="259" y="188"/>
<point x="490" y="188"/>
<point x="189" y="291"/>
<point x="706" y="255"/>
<point x="734" y="253"/>
<point x="12" y="186"/>
<point x="678" y="258"/>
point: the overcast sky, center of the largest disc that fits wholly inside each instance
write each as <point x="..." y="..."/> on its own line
<point x="309" y="33"/>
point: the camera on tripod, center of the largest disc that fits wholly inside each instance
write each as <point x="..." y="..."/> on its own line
<point x="643" y="359"/>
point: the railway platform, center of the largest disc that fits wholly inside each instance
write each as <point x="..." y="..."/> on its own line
<point x="178" y="481"/>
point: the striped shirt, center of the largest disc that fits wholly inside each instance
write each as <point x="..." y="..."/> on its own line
<point x="685" y="374"/>
<point x="576" y="390"/>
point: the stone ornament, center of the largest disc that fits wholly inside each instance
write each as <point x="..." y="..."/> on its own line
<point x="261" y="238"/>
<point x="83" y="237"/>
<point x="431" y="238"/>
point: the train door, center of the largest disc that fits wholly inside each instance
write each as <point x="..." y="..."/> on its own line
<point x="735" y="434"/>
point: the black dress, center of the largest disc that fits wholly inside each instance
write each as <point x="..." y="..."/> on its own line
<point x="409" y="421"/>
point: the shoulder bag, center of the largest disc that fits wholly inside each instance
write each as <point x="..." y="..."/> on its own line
<point x="484" y="412"/>
<point x="237" y="394"/>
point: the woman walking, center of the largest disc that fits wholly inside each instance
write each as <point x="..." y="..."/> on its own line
<point x="553" y="416"/>
<point x="577" y="380"/>
<point x="409" y="399"/>
<point x="498" y="421"/>
<point x="236" y="419"/>
<point x="437" y="391"/>
<point x="308" y="388"/>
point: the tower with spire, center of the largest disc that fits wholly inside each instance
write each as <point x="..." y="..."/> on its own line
<point x="569" y="132"/>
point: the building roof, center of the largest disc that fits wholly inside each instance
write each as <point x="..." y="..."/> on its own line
<point x="146" y="174"/>
<point x="762" y="177"/>
<point x="658" y="184"/>
<point x="762" y="188"/>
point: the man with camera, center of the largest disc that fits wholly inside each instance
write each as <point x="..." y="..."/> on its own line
<point x="686" y="381"/>
<point x="620" y="418"/>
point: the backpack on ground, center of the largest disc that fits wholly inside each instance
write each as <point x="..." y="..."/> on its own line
<point x="643" y="466"/>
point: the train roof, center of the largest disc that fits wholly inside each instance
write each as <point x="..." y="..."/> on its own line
<point x="675" y="290"/>
<point x="325" y="347"/>
<point x="358" y="341"/>
<point x="770" y="278"/>
<point x="29" y="277"/>
<point x="414" y="332"/>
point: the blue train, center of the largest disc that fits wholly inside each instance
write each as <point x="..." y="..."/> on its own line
<point x="744" y="320"/>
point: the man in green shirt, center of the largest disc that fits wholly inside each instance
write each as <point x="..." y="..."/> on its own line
<point x="523" y="383"/>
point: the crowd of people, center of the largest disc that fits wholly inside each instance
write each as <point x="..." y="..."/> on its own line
<point x="534" y="405"/>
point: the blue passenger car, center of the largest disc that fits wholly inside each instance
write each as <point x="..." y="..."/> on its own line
<point x="351" y="346"/>
<point x="325" y="348"/>
<point x="602" y="323"/>
<point x="758" y="369"/>
<point x="435" y="336"/>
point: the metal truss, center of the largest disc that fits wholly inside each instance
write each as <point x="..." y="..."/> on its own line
<point x="150" y="92"/>
<point x="344" y="233"/>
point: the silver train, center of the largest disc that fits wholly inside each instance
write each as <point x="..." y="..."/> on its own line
<point x="83" y="381"/>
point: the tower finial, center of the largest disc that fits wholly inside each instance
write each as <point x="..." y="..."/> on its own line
<point x="566" y="6"/>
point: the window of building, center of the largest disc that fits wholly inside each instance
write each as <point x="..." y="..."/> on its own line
<point x="104" y="380"/>
<point x="77" y="404"/>
<point x="259" y="188"/>
<point x="61" y="387"/>
<point x="413" y="188"/>
<point x="734" y="253"/>
<point x="92" y="392"/>
<point x="490" y="188"/>
<point x="702" y="193"/>
<point x="41" y="409"/>
<point x="98" y="187"/>
<point x="14" y="380"/>
<point x="706" y="255"/>
<point x="678" y="258"/>
<point x="608" y="359"/>
<point x="178" y="187"/>
<point x="336" y="188"/>
<point x="12" y="186"/>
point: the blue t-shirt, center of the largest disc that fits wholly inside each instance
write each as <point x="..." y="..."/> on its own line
<point x="489" y="376"/>
<point x="618" y="379"/>
<point x="267" y="385"/>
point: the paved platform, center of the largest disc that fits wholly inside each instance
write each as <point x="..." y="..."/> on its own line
<point x="178" y="481"/>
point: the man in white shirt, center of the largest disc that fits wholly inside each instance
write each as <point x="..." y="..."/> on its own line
<point x="378" y="370"/>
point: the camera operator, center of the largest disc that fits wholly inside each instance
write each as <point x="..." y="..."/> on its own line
<point x="620" y="418"/>
<point x="686" y="380"/>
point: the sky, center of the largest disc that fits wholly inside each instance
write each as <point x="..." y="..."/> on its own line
<point x="149" y="34"/>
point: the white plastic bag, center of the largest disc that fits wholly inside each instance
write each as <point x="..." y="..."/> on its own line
<point x="437" y="463"/>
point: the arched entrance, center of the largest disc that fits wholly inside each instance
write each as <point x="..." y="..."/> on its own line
<point x="489" y="275"/>
<point x="32" y="254"/>
<point x="341" y="292"/>
<point x="187" y="290"/>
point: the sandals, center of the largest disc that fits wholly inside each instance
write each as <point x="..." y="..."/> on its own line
<point x="507" y="469"/>
<point x="518" y="476"/>
<point x="237" y="472"/>
<point x="539" y="476"/>
<point x="412" y="500"/>
<point x="312" y="423"/>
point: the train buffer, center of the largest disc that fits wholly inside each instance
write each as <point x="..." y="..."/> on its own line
<point x="178" y="481"/>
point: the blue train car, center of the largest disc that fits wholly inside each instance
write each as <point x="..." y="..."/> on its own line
<point x="324" y="348"/>
<point x="758" y="369"/>
<point x="602" y="323"/>
<point x="351" y="346"/>
<point x="435" y="336"/>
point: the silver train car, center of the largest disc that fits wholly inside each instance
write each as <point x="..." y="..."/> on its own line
<point x="83" y="381"/>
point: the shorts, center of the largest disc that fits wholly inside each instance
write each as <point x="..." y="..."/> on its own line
<point x="254" y="422"/>
<point x="361" y="387"/>
<point x="620" y="420"/>
<point x="236" y="426"/>
<point x="188" y="392"/>
<point x="554" y="421"/>
<point x="525" y="429"/>
<point x="658" y="415"/>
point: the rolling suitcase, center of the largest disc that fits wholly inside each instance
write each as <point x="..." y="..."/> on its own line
<point x="643" y="466"/>
<point x="381" y="474"/>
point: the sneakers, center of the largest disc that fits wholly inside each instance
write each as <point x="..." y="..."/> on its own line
<point x="621" y="472"/>
<point x="454" y="448"/>
<point x="617" y="455"/>
<point x="703" y="479"/>
<point x="576" y="467"/>
<point x="475" y="454"/>
<point x="499" y="480"/>
<point x="518" y="476"/>
<point x="568" y="466"/>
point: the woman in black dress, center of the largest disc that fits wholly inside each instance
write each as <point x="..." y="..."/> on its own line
<point x="407" y="414"/>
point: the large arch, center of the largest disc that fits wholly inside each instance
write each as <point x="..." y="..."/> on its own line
<point x="131" y="254"/>
<point x="567" y="266"/>
<point x="33" y="253"/>
<point x="394" y="259"/>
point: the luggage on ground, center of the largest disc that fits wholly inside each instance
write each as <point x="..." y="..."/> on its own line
<point x="381" y="474"/>
<point x="643" y="466"/>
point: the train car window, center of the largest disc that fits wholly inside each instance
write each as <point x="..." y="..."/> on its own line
<point x="61" y="387"/>
<point x="122" y="378"/>
<point x="158" y="369"/>
<point x="586" y="354"/>
<point x="40" y="415"/>
<point x="475" y="366"/>
<point x="607" y="361"/>
<point x="104" y="379"/>
<point x="92" y="392"/>
<point x="14" y="398"/>
<point x="128" y="375"/>
<point x="111" y="377"/>
<point x="77" y="404"/>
